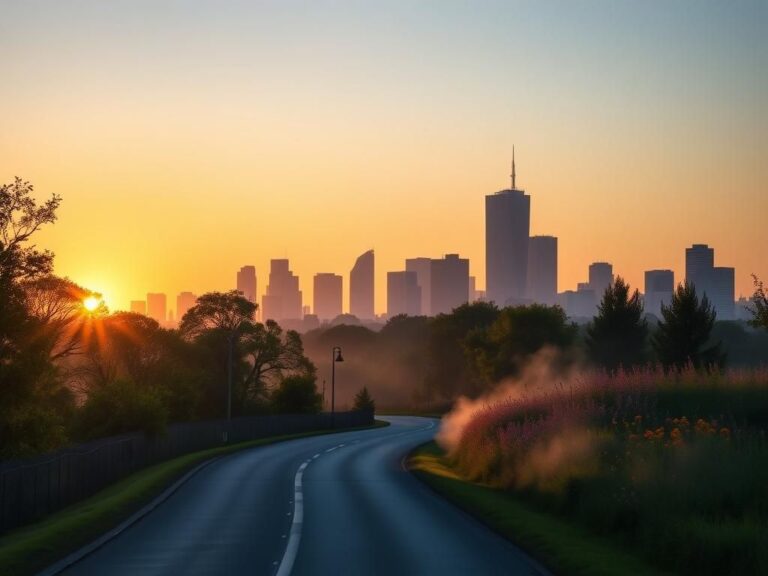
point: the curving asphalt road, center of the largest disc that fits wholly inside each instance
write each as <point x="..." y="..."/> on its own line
<point x="328" y="505"/>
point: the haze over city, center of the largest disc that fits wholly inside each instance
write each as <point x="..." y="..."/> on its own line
<point x="188" y="141"/>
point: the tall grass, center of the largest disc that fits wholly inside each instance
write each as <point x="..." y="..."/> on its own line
<point x="674" y="465"/>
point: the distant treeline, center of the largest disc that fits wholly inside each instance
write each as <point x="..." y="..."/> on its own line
<point x="426" y="363"/>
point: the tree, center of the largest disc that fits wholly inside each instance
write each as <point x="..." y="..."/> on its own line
<point x="504" y="348"/>
<point x="120" y="407"/>
<point x="683" y="335"/>
<point x="272" y="354"/>
<point x="133" y="348"/>
<point x="363" y="400"/>
<point x="34" y="405"/>
<point x="59" y="318"/>
<point x="297" y="395"/>
<point x="616" y="337"/>
<point x="224" y="311"/>
<point x="759" y="308"/>
<point x="448" y="372"/>
<point x="20" y="218"/>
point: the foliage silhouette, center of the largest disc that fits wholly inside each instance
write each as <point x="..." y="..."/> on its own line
<point x="119" y="407"/>
<point x="616" y="337"/>
<point x="34" y="404"/>
<point x="297" y="395"/>
<point x="518" y="332"/>
<point x="363" y="400"/>
<point x="759" y="307"/>
<point x="683" y="335"/>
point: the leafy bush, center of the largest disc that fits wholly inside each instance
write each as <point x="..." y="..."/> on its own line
<point x="297" y="395"/>
<point x="363" y="400"/>
<point x="121" y="407"/>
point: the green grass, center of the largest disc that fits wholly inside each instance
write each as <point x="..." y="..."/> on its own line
<point x="563" y="547"/>
<point x="32" y="548"/>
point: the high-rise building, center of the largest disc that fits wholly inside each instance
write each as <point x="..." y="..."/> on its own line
<point x="283" y="299"/>
<point x="600" y="278"/>
<point x="717" y="283"/>
<point x="403" y="294"/>
<point x="156" y="307"/>
<point x="449" y="283"/>
<point x="422" y="267"/>
<point x="139" y="306"/>
<point x="184" y="301"/>
<point x="699" y="261"/>
<point x="361" y="287"/>
<point x="472" y="289"/>
<point x="722" y="292"/>
<point x="507" y="228"/>
<point x="542" y="269"/>
<point x="246" y="282"/>
<point x="327" y="296"/>
<point x="659" y="287"/>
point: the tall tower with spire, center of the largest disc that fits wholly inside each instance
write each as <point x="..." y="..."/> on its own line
<point x="512" y="176"/>
<point x="507" y="229"/>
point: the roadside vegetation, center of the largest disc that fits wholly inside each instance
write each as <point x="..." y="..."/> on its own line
<point x="669" y="461"/>
<point x="672" y="465"/>
<point x="71" y="371"/>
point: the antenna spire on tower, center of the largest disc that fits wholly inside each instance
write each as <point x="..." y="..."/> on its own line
<point x="513" y="168"/>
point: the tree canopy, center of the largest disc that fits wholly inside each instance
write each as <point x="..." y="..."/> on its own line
<point x="683" y="335"/>
<point x="616" y="337"/>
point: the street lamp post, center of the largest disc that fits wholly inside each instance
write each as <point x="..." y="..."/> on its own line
<point x="335" y="357"/>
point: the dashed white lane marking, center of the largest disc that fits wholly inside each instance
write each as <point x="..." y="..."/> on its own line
<point x="292" y="548"/>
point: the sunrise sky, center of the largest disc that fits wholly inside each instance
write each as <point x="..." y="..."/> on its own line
<point x="190" y="138"/>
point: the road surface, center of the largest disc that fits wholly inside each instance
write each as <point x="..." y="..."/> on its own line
<point x="328" y="505"/>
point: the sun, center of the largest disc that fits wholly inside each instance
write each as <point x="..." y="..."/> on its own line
<point x="91" y="303"/>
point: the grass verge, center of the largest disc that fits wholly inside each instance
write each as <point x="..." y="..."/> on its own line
<point x="561" y="546"/>
<point x="32" y="548"/>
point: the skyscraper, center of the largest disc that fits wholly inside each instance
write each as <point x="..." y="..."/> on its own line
<point x="722" y="292"/>
<point x="327" y="295"/>
<point x="184" y="301"/>
<point x="246" y="282"/>
<point x="449" y="284"/>
<point x="716" y="282"/>
<point x="403" y="294"/>
<point x="361" y="287"/>
<point x="139" y="307"/>
<point x="282" y="300"/>
<point x="422" y="267"/>
<point x="699" y="261"/>
<point x="507" y="226"/>
<point x="542" y="269"/>
<point x="659" y="287"/>
<point x="156" y="307"/>
<point x="600" y="278"/>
